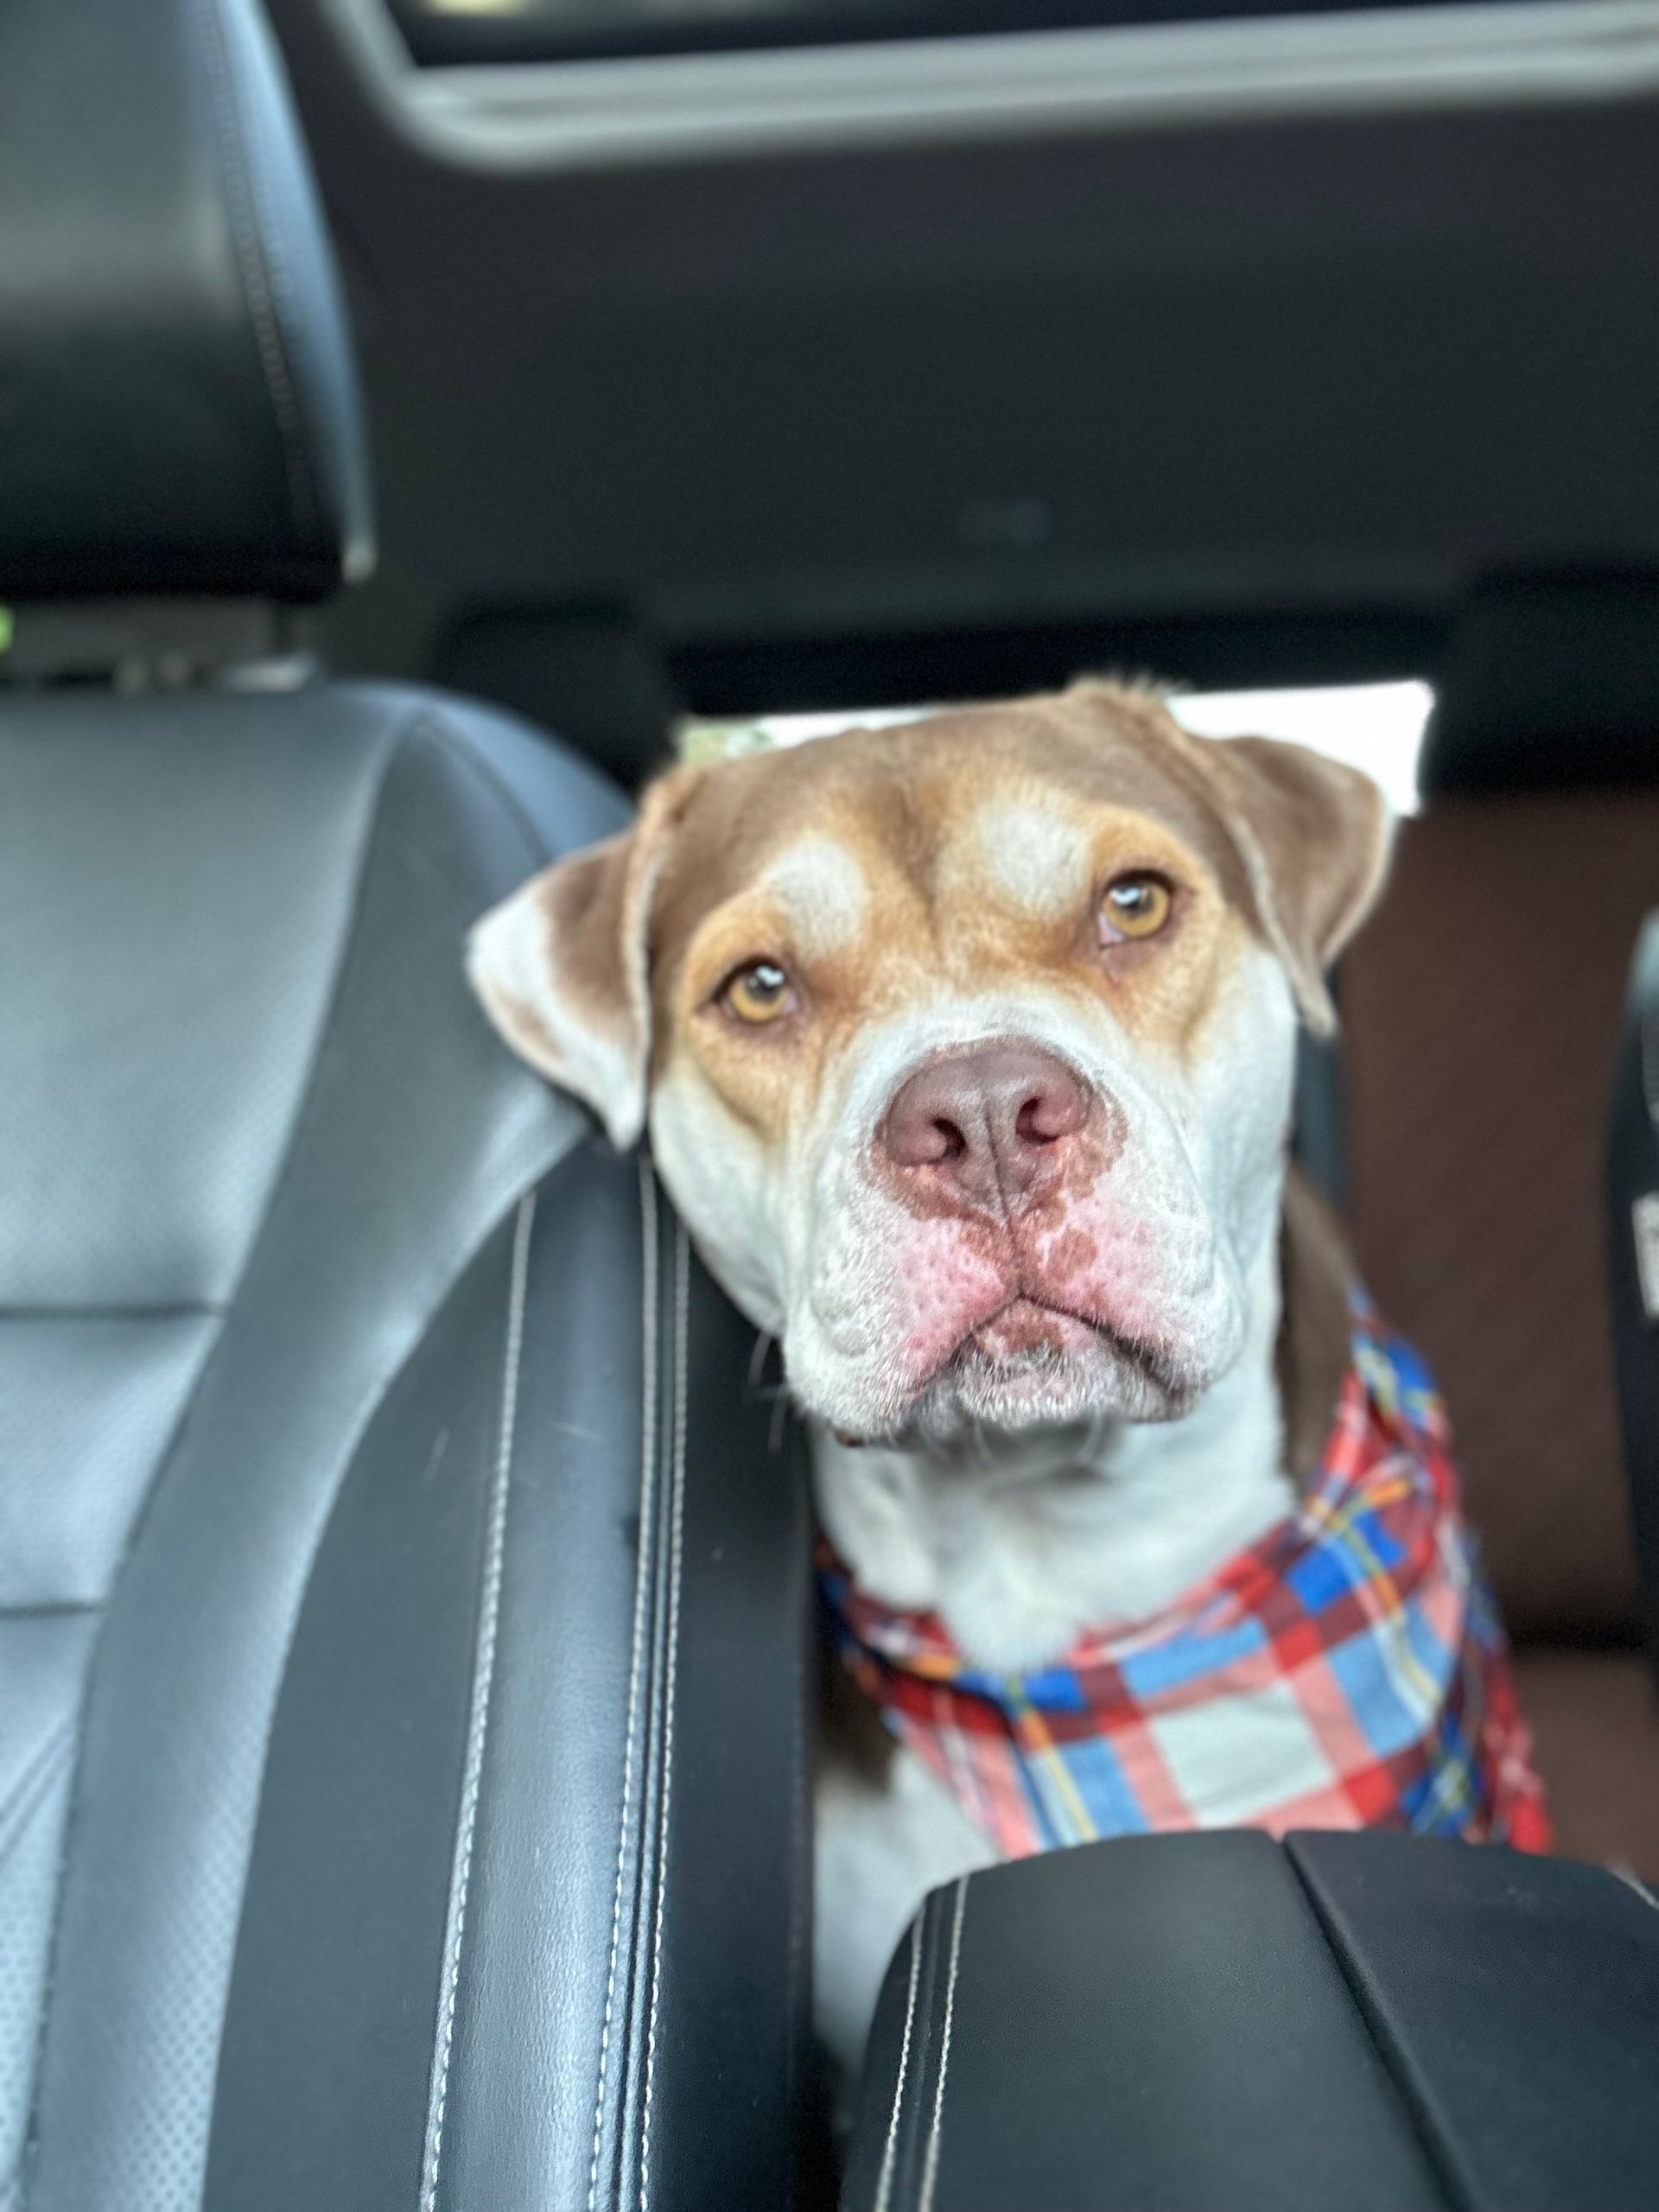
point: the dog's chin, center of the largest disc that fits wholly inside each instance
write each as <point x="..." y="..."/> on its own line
<point x="1032" y="1366"/>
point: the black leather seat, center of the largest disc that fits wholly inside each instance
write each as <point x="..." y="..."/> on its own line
<point x="402" y="1651"/>
<point x="1228" y="2024"/>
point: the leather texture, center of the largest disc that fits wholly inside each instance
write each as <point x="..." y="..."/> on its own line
<point x="373" y="1450"/>
<point x="1514" y="2002"/>
<point x="1175" y="2023"/>
<point x="176" y="383"/>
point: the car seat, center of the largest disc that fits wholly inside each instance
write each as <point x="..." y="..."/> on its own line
<point x="1482" y="1008"/>
<point x="403" y="1598"/>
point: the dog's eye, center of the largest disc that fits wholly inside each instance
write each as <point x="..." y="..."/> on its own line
<point x="759" y="993"/>
<point x="1135" y="906"/>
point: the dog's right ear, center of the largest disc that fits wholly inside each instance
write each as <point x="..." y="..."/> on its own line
<point x="562" y="966"/>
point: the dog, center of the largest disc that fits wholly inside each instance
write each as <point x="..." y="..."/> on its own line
<point x="966" y="1050"/>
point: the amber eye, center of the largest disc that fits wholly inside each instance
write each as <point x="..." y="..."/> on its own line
<point x="759" y="993"/>
<point x="1135" y="906"/>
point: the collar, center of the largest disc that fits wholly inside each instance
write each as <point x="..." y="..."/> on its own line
<point x="1347" y="1670"/>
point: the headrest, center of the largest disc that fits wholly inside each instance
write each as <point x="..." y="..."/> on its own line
<point x="1550" y="683"/>
<point x="179" y="410"/>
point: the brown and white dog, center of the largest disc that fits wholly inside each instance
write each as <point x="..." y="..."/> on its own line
<point x="966" y="1052"/>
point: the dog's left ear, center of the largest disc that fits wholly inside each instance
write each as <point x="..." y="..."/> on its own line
<point x="562" y="966"/>
<point x="1313" y="836"/>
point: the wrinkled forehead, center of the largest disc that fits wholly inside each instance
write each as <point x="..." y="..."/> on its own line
<point x="1008" y="803"/>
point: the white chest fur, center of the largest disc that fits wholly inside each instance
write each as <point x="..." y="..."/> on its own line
<point x="880" y="1848"/>
<point x="1018" y="1543"/>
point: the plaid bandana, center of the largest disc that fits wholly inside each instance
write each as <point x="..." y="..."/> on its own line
<point x="1346" y="1671"/>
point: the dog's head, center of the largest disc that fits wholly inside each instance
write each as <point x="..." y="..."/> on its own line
<point x="966" y="1048"/>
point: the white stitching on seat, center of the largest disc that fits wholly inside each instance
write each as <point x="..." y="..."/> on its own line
<point x="676" y="1549"/>
<point x="477" y="1720"/>
<point x="642" y="1581"/>
<point x="931" y="2170"/>
<point x="884" y="2184"/>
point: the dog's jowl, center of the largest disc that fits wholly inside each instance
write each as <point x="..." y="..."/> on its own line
<point x="966" y="1051"/>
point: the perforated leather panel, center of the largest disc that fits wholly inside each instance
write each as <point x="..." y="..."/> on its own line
<point x="158" y="1030"/>
<point x="402" y="1797"/>
<point x="253" y="1126"/>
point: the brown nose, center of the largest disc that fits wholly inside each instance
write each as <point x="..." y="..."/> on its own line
<point x="988" y="1124"/>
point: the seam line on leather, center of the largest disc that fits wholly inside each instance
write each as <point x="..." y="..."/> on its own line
<point x="479" y="1719"/>
<point x="676" y="1557"/>
<point x="32" y="1786"/>
<point x="242" y="205"/>
<point x="461" y="749"/>
<point x="641" y="1585"/>
<point x="1438" y="2155"/>
<point x="361" y="863"/>
<point x="884" y="2181"/>
<point x="930" y="2169"/>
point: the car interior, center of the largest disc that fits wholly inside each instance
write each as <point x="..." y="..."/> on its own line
<point x="412" y="412"/>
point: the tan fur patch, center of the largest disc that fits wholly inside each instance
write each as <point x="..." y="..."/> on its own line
<point x="980" y="840"/>
<point x="952" y="854"/>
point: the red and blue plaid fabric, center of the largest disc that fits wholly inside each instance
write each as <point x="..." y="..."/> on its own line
<point x="1347" y="1670"/>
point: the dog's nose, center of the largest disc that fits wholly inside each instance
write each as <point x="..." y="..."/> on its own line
<point x="990" y="1122"/>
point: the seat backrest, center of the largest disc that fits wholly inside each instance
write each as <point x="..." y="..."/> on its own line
<point x="400" y="1604"/>
<point x="181" y="408"/>
<point x="402" y="1600"/>
<point x="1482" y="1008"/>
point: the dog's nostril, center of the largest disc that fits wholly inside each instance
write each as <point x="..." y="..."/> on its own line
<point x="1031" y="1123"/>
<point x="952" y="1143"/>
<point x="934" y="1144"/>
<point x="984" y="1119"/>
<point x="1049" y="1115"/>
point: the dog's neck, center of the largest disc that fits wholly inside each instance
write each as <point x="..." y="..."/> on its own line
<point x="1021" y="1540"/>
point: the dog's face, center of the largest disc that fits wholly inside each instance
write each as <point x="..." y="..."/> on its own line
<point x="966" y="1047"/>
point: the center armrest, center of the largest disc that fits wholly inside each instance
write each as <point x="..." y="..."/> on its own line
<point x="1221" y="2023"/>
